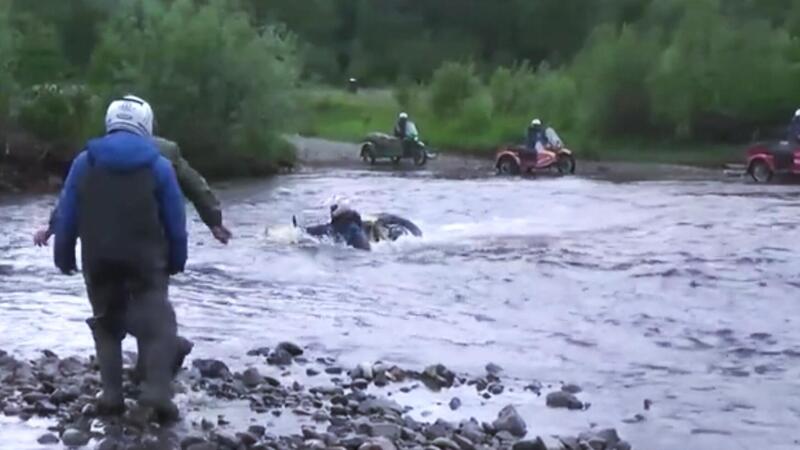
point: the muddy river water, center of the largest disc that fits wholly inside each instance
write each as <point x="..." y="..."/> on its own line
<point x="682" y="293"/>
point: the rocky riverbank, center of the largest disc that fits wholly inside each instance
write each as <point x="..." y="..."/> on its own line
<point x="352" y="410"/>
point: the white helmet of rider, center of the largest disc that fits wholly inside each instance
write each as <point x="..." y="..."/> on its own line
<point x="536" y="122"/>
<point x="797" y="113"/>
<point x="130" y="113"/>
<point x="402" y="115"/>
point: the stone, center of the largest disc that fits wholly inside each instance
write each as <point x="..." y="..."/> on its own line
<point x="211" y="368"/>
<point x="257" y="430"/>
<point x="387" y="430"/>
<point x="45" y="408"/>
<point x="363" y="370"/>
<point x="188" y="441"/>
<point x="622" y="445"/>
<point x="455" y="403"/>
<point x="48" y="439"/>
<point x="312" y="372"/>
<point x="109" y="443"/>
<point x="472" y="430"/>
<point x="439" y="429"/>
<point x="437" y="377"/>
<point x="379" y="443"/>
<point x="493" y="369"/>
<point x="536" y="444"/>
<point x="445" y="444"/>
<point x="65" y="395"/>
<point x="509" y="420"/>
<point x="248" y="439"/>
<point x="561" y="399"/>
<point x="290" y="348"/>
<point x="505" y="436"/>
<point x="251" y="378"/>
<point x="280" y="357"/>
<point x="571" y="388"/>
<point x="260" y="351"/>
<point x="226" y="440"/>
<point x="314" y="444"/>
<point x="463" y="442"/>
<point x="496" y="388"/>
<point x="379" y="405"/>
<point x="352" y="443"/>
<point x="334" y="370"/>
<point x="74" y="438"/>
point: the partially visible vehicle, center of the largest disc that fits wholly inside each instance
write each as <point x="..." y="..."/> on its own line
<point x="514" y="160"/>
<point x="382" y="146"/>
<point x="765" y="160"/>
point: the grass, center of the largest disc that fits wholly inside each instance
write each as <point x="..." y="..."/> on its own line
<point x="339" y="115"/>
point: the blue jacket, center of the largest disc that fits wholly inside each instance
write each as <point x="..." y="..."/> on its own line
<point x="122" y="151"/>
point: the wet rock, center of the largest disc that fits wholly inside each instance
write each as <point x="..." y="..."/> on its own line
<point x="535" y="387"/>
<point x="334" y="370"/>
<point x="34" y="397"/>
<point x="496" y="389"/>
<point x="48" y="439"/>
<point x="379" y="405"/>
<point x="472" y="430"/>
<point x="378" y="444"/>
<point x="455" y="403"/>
<point x="509" y="420"/>
<point x="571" y="388"/>
<point x="280" y="357"/>
<point x="437" y="377"/>
<point x="188" y="441"/>
<point x="561" y="399"/>
<point x="247" y="439"/>
<point x="211" y="368"/>
<point x="493" y="369"/>
<point x="109" y="443"/>
<point x="463" y="442"/>
<point x="65" y="395"/>
<point x="312" y="372"/>
<point x="290" y="348"/>
<point x="601" y="439"/>
<point x="45" y="408"/>
<point x="445" y="444"/>
<point x="537" y="444"/>
<point x="257" y="430"/>
<point x="12" y="410"/>
<point x="314" y="444"/>
<point x="622" y="445"/>
<point x="387" y="430"/>
<point x="260" y="351"/>
<point x="226" y="440"/>
<point x="360" y="384"/>
<point x="320" y="416"/>
<point x="505" y="436"/>
<point x="439" y="429"/>
<point x="251" y="378"/>
<point x="74" y="438"/>
<point x="352" y="443"/>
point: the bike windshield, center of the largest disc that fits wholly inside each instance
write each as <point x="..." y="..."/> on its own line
<point x="552" y="138"/>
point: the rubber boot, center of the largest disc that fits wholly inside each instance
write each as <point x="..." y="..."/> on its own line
<point x="185" y="347"/>
<point x="159" y="356"/>
<point x="109" y="357"/>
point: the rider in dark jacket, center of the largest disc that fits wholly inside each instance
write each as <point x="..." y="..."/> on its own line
<point x="345" y="226"/>
<point x="400" y="126"/>
<point x="536" y="137"/>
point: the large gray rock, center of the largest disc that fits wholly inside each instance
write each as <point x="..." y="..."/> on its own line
<point x="388" y="430"/>
<point x="437" y="377"/>
<point x="379" y="405"/>
<point x="509" y="420"/>
<point x="74" y="438"/>
<point x="251" y="378"/>
<point x="536" y="444"/>
<point x="445" y="444"/>
<point x="291" y="348"/>
<point x="561" y="399"/>
<point x="280" y="357"/>
<point x="211" y="368"/>
<point x="440" y="428"/>
<point x="48" y="439"/>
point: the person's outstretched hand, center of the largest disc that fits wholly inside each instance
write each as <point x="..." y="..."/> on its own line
<point x="221" y="234"/>
<point x="41" y="237"/>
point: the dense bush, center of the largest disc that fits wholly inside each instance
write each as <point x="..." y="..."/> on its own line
<point x="452" y="85"/>
<point x="63" y="115"/>
<point x="218" y="85"/>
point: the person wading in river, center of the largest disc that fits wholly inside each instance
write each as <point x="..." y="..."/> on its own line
<point x="122" y="199"/>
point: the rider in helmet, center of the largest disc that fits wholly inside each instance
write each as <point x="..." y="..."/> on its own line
<point x="400" y="127"/>
<point x="536" y="138"/>
<point x="345" y="226"/>
<point x="794" y="128"/>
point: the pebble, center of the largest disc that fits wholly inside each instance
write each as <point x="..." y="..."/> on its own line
<point x="445" y="444"/>
<point x="260" y="351"/>
<point x="379" y="443"/>
<point x="211" y="368"/>
<point x="334" y="370"/>
<point x="496" y="389"/>
<point x="561" y="399"/>
<point x="493" y="369"/>
<point x="248" y="439"/>
<point x="280" y="357"/>
<point x="251" y="378"/>
<point x="455" y="403"/>
<point x="74" y="438"/>
<point x="509" y="420"/>
<point x="312" y="372"/>
<point x="290" y="348"/>
<point x="48" y="439"/>
<point x="188" y="441"/>
<point x="571" y="388"/>
<point x="437" y="377"/>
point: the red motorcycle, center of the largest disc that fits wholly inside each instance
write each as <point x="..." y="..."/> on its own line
<point x="765" y="160"/>
<point x="516" y="160"/>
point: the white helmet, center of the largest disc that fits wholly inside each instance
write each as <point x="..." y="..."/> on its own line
<point x="130" y="113"/>
<point x="797" y="113"/>
<point x="403" y="116"/>
<point x="536" y="122"/>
